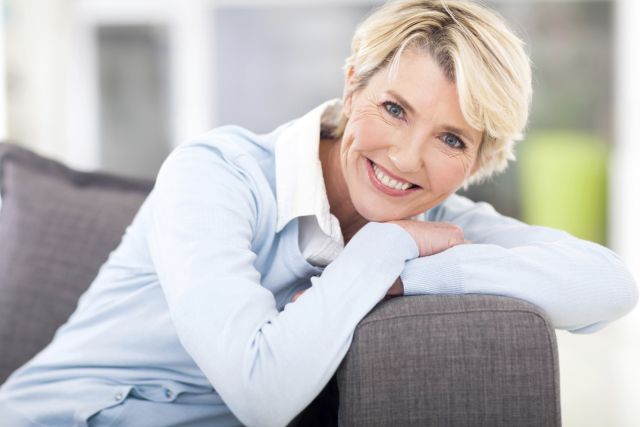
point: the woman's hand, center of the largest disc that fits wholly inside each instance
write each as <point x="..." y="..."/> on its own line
<point x="432" y="237"/>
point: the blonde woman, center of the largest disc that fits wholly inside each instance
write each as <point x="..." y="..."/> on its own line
<point x="235" y="292"/>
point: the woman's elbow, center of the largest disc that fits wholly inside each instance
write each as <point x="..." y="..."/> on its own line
<point x="604" y="289"/>
<point x="629" y="290"/>
<point x="620" y="288"/>
<point x="620" y="295"/>
<point x="259" y="409"/>
<point x="262" y="418"/>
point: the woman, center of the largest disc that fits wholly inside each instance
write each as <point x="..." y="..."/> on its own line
<point x="191" y="320"/>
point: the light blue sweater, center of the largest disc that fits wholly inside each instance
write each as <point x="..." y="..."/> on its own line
<point x="193" y="306"/>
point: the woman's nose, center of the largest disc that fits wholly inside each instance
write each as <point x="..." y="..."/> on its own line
<point x="406" y="158"/>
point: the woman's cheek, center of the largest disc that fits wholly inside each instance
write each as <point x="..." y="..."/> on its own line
<point x="446" y="175"/>
<point x="370" y="136"/>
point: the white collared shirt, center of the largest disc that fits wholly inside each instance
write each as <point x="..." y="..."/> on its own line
<point x="301" y="190"/>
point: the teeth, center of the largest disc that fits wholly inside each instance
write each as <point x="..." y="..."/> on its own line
<point x="389" y="182"/>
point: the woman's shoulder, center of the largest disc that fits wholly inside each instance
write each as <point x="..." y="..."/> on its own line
<point x="222" y="151"/>
<point x="231" y="142"/>
<point x="223" y="170"/>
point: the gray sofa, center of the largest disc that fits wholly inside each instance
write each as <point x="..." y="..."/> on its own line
<point x="470" y="360"/>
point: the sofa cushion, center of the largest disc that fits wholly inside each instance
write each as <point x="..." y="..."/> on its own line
<point x="57" y="227"/>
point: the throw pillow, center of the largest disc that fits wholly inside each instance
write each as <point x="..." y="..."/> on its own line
<point x="57" y="227"/>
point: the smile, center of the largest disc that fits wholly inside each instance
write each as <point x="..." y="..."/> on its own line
<point x="388" y="184"/>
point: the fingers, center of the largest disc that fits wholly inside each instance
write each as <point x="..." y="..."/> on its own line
<point x="439" y="237"/>
<point x="433" y="237"/>
<point x="456" y="236"/>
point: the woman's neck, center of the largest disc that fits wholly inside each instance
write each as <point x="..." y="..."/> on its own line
<point x="337" y="191"/>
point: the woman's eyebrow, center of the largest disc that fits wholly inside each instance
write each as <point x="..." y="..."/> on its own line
<point x="448" y="128"/>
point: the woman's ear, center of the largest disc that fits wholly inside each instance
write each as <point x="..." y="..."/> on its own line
<point x="347" y="93"/>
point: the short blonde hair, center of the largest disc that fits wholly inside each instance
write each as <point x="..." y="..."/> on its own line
<point x="474" y="48"/>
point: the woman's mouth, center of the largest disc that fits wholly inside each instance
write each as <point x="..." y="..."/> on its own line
<point x="389" y="184"/>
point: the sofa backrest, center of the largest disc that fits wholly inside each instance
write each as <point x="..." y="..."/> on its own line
<point x="57" y="227"/>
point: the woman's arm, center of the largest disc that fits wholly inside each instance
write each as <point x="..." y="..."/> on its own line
<point x="265" y="364"/>
<point x="581" y="285"/>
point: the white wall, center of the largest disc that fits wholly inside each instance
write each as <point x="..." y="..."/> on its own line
<point x="36" y="60"/>
<point x="3" y="87"/>
<point x="625" y="194"/>
<point x="625" y="205"/>
<point x="600" y="373"/>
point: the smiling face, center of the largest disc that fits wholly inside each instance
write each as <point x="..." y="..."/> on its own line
<point x="406" y="146"/>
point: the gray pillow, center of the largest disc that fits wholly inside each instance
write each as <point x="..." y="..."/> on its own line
<point x="57" y="227"/>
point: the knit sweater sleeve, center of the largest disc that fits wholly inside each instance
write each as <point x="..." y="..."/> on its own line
<point x="267" y="365"/>
<point x="582" y="286"/>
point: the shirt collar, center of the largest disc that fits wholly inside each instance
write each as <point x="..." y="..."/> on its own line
<point x="300" y="188"/>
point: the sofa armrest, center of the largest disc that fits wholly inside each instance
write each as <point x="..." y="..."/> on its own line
<point x="465" y="360"/>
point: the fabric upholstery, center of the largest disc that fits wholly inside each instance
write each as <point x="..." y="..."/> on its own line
<point x="468" y="360"/>
<point x="57" y="227"/>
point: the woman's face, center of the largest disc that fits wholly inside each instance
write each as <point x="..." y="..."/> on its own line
<point x="406" y="146"/>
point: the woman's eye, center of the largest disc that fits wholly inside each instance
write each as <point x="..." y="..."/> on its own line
<point x="453" y="141"/>
<point x="394" y="109"/>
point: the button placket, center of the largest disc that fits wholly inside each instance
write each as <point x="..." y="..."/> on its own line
<point x="113" y="397"/>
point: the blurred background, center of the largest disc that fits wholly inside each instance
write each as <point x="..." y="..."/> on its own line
<point x="116" y="84"/>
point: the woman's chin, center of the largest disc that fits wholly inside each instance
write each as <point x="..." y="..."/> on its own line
<point x="371" y="214"/>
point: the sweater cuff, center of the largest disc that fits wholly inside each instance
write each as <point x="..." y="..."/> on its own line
<point x="387" y="238"/>
<point x="434" y="274"/>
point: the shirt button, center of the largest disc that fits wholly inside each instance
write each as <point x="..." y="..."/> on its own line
<point x="168" y="393"/>
<point x="118" y="397"/>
